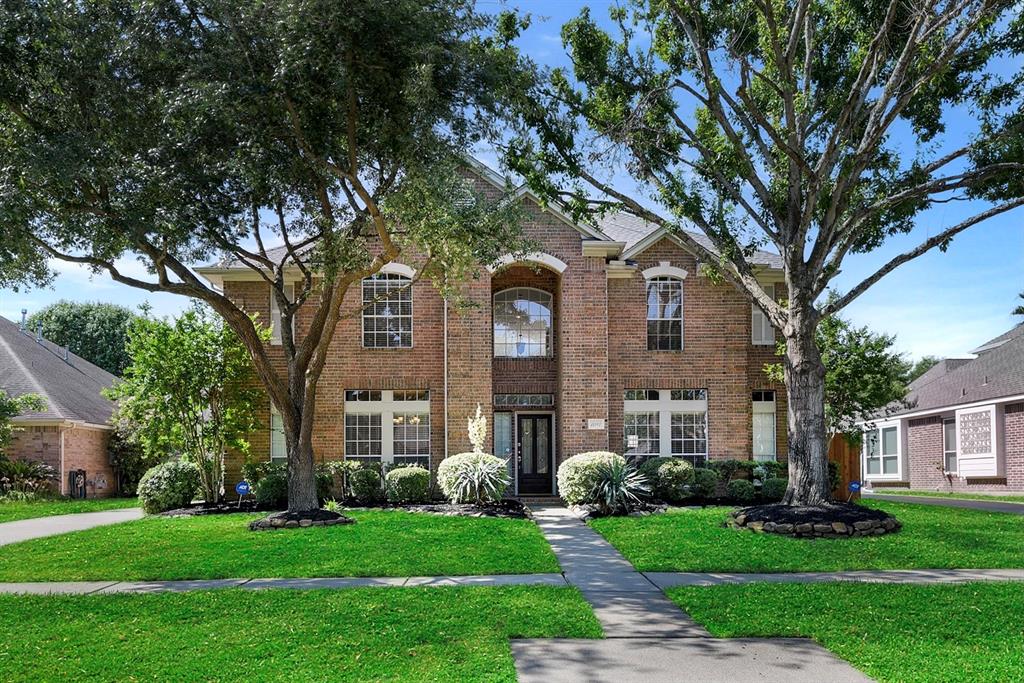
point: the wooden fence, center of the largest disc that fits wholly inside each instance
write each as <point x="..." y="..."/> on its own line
<point x="848" y="458"/>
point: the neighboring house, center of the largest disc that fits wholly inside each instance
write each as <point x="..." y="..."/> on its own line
<point x="965" y="429"/>
<point x="608" y="337"/>
<point x="72" y="433"/>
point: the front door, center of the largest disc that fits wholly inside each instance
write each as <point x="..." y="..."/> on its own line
<point x="534" y="448"/>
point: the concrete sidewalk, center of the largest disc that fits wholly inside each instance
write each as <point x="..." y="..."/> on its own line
<point x="986" y="505"/>
<point x="648" y="638"/>
<point x="38" y="527"/>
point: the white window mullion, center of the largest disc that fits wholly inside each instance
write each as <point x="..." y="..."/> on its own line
<point x="665" y="431"/>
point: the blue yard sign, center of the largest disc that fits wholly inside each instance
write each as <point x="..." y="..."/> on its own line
<point x="242" y="488"/>
<point x="854" y="486"/>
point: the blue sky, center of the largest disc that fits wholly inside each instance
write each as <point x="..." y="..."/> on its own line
<point x="941" y="304"/>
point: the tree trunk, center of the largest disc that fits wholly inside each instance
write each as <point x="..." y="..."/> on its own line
<point x="301" y="478"/>
<point x="805" y="391"/>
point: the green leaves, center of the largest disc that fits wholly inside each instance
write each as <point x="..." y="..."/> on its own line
<point x="11" y="407"/>
<point x="98" y="332"/>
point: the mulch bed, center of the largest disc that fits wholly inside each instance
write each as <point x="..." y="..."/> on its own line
<point x="201" y="509"/>
<point x="300" y="520"/>
<point x="837" y="520"/>
<point x="511" y="509"/>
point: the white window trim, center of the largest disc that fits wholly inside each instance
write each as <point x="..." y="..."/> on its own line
<point x="390" y="269"/>
<point x="767" y="408"/>
<point x="759" y="322"/>
<point x="275" y="314"/>
<point x="386" y="408"/>
<point x="551" y="328"/>
<point x="270" y="455"/>
<point x="881" y="476"/>
<point x="664" y="269"/>
<point x="945" y="446"/>
<point x="664" y="407"/>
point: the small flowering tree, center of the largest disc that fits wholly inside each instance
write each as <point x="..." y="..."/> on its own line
<point x="477" y="428"/>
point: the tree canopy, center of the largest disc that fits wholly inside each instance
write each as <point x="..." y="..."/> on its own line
<point x="11" y="407"/>
<point x="817" y="128"/>
<point x="98" y="332"/>
<point x="178" y="133"/>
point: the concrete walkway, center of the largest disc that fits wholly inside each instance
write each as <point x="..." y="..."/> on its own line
<point x="38" y="527"/>
<point x="986" y="505"/>
<point x="647" y="637"/>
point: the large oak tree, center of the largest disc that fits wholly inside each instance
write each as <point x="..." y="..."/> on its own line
<point x="816" y="126"/>
<point x="177" y="132"/>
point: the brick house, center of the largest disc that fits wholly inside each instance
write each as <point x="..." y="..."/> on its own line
<point x="72" y="433"/>
<point x="965" y="429"/>
<point x="607" y="337"/>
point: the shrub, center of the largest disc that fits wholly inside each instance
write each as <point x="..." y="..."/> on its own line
<point x="365" y="484"/>
<point x="578" y="476"/>
<point x="674" y="479"/>
<point x="649" y="468"/>
<point x="473" y="478"/>
<point x="407" y="485"/>
<point x="272" y="492"/>
<point x="740" y="490"/>
<point x="253" y="472"/>
<point x="25" y="476"/>
<point x="168" y="486"/>
<point x="705" y="481"/>
<point x="618" y="486"/>
<point x="833" y="476"/>
<point x="774" y="488"/>
<point x="728" y="469"/>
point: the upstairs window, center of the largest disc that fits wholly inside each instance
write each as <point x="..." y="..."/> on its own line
<point x="275" y="314"/>
<point x="387" y="311"/>
<point x="664" y="314"/>
<point x="761" y="331"/>
<point x="522" y="323"/>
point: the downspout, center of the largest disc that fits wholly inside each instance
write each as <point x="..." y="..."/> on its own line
<point x="446" y="377"/>
<point x="63" y="473"/>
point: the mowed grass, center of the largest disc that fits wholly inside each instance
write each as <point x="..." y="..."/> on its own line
<point x="373" y="634"/>
<point x="932" y="538"/>
<point x="905" y="633"/>
<point x="1019" y="498"/>
<point x="380" y="543"/>
<point x="11" y="512"/>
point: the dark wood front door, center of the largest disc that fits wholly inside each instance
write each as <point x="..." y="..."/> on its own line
<point x="534" y="449"/>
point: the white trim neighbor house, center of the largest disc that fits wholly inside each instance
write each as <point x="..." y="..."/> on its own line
<point x="964" y="429"/>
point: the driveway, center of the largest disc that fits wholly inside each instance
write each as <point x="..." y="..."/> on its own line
<point x="27" y="529"/>
<point x="986" y="505"/>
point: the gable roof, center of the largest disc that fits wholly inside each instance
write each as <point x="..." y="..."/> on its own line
<point x="996" y="373"/>
<point x="70" y="388"/>
<point x="639" y="234"/>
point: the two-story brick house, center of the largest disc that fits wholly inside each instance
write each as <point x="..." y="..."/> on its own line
<point x="607" y="337"/>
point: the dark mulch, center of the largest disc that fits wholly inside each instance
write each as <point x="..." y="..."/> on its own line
<point x="201" y="509"/>
<point x="511" y="509"/>
<point x="847" y="513"/>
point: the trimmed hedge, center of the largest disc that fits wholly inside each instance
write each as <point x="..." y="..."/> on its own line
<point x="674" y="479"/>
<point x="272" y="491"/>
<point x="741" y="490"/>
<point x="705" y="482"/>
<point x="649" y="468"/>
<point x="774" y="488"/>
<point x="168" y="486"/>
<point x="366" y="484"/>
<point x="407" y="485"/>
<point x="579" y="475"/>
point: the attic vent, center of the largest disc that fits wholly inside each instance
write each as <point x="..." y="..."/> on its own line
<point x="963" y="391"/>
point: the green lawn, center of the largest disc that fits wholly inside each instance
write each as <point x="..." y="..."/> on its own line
<point x="952" y="496"/>
<point x="381" y="543"/>
<point x="10" y="512"/>
<point x="372" y="634"/>
<point x="905" y="633"/>
<point x="932" y="537"/>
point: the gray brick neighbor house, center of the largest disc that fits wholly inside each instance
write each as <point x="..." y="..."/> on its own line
<point x="965" y="429"/>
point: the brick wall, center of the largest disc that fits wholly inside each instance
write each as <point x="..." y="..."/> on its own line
<point x="717" y="354"/>
<point x="600" y="348"/>
<point x="925" y="455"/>
<point x="84" y="448"/>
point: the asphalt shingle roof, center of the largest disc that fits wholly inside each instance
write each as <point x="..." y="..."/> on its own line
<point x="70" y="388"/>
<point x="625" y="227"/>
<point x="995" y="373"/>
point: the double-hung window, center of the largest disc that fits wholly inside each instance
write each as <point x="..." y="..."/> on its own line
<point x="388" y="426"/>
<point x="666" y="422"/>
<point x="387" y="311"/>
<point x="949" y="445"/>
<point x="761" y="331"/>
<point x="764" y="424"/>
<point x="664" y="314"/>
<point x="275" y="314"/>
<point x="278" y="445"/>
<point x="882" y="452"/>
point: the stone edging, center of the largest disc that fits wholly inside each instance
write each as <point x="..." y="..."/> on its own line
<point x="870" y="527"/>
